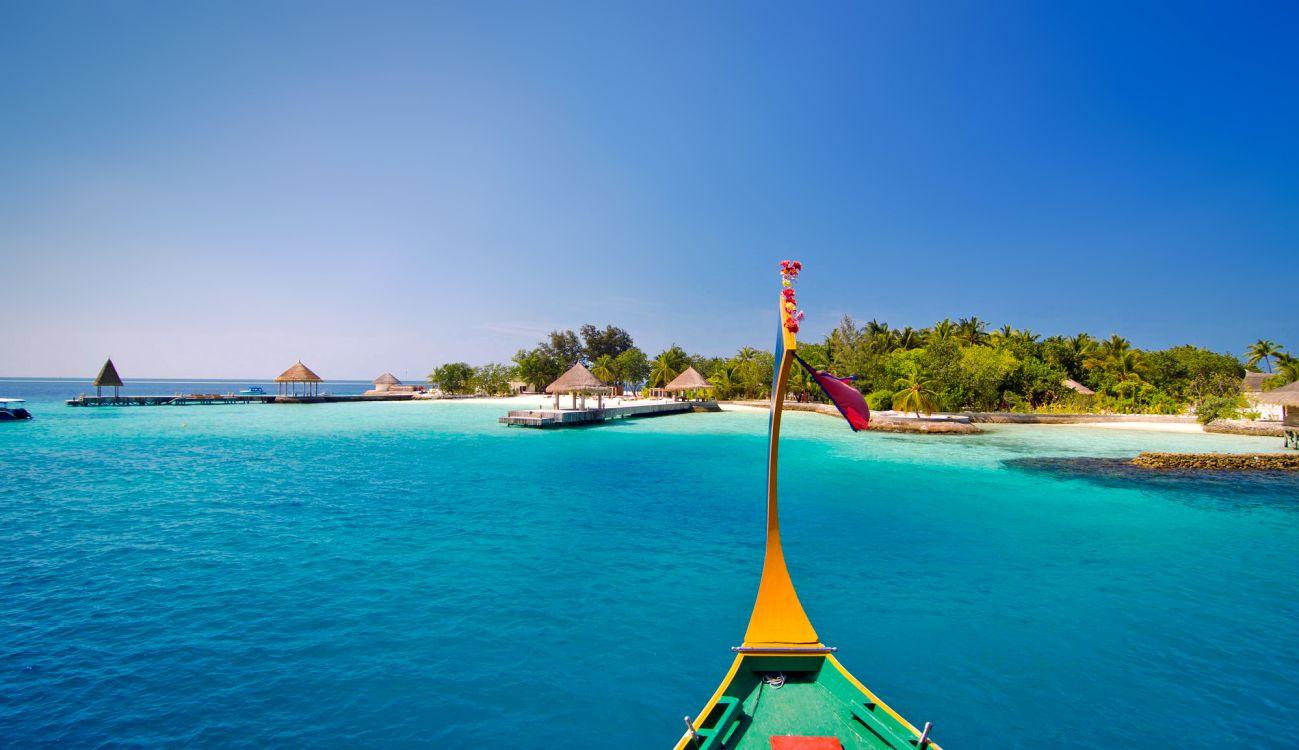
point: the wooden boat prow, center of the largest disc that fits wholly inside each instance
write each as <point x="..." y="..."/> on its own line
<point x="785" y="688"/>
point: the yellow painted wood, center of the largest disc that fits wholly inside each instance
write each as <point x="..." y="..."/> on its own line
<point x="684" y="742"/>
<point x="930" y="745"/>
<point x="778" y="619"/>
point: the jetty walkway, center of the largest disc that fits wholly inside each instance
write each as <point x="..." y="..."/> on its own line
<point x="546" y="418"/>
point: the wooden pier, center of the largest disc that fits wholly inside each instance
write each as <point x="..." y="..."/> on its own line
<point x="547" y="418"/>
<point x="204" y="399"/>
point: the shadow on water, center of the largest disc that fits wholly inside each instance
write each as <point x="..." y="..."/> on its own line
<point x="1220" y="490"/>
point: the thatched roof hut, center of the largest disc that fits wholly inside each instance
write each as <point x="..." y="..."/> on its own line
<point x="578" y="379"/>
<point x="690" y="380"/>
<point x="299" y="373"/>
<point x="108" y="378"/>
<point x="1286" y="395"/>
<point x="1253" y="382"/>
<point x="1077" y="387"/>
<point x="387" y="379"/>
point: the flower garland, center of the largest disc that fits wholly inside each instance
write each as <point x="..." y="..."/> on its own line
<point x="788" y="274"/>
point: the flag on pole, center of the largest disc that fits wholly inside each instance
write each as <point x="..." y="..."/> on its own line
<point x="851" y="404"/>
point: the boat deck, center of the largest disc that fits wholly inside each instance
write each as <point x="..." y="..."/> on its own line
<point x="815" y="700"/>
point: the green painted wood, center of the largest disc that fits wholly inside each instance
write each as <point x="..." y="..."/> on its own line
<point x="816" y="700"/>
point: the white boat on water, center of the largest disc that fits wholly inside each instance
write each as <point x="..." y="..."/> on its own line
<point x="253" y="390"/>
<point x="12" y="410"/>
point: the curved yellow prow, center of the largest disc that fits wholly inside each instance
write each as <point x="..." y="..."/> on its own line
<point x="778" y="620"/>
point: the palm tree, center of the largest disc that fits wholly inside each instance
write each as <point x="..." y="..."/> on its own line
<point x="972" y="330"/>
<point x="1082" y="345"/>
<point x="1003" y="335"/>
<point x="909" y="338"/>
<point x="1026" y="337"/>
<point x="1114" y="346"/>
<point x="724" y="381"/>
<point x="1287" y="367"/>
<point x="603" y="368"/>
<point x="915" y="395"/>
<point x="942" y="331"/>
<point x="663" y="372"/>
<point x="1264" y="350"/>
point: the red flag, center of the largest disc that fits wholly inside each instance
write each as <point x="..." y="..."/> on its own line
<point x="852" y="405"/>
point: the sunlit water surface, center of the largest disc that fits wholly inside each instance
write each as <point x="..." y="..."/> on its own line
<point x="415" y="575"/>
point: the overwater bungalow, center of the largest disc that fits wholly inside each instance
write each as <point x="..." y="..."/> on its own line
<point x="299" y="375"/>
<point x="688" y="381"/>
<point x="579" y="381"/>
<point x="107" y="378"/>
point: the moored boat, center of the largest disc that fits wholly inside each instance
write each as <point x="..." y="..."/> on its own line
<point x="12" y="410"/>
<point x="786" y="690"/>
<point x="253" y="390"/>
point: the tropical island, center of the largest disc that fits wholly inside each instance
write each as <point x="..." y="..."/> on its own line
<point x="951" y="366"/>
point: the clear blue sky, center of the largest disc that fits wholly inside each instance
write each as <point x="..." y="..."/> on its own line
<point x="218" y="189"/>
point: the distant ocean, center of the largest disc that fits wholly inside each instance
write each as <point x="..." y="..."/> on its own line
<point x="416" y="575"/>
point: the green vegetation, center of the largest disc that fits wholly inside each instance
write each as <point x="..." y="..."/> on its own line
<point x="961" y="366"/>
<point x="453" y="378"/>
<point x="950" y="366"/>
<point x="1219" y="407"/>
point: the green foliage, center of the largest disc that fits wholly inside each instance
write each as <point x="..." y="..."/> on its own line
<point x="1264" y="350"/>
<point x="915" y="394"/>
<point x="492" y="379"/>
<point x="610" y="342"/>
<point x="453" y="378"/>
<point x="631" y="367"/>
<point x="958" y="366"/>
<point x="662" y="370"/>
<point x="1219" y="407"/>
<point x="880" y="400"/>
<point x="603" y="368"/>
<point x="980" y="378"/>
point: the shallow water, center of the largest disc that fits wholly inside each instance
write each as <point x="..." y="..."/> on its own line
<point x="414" y="575"/>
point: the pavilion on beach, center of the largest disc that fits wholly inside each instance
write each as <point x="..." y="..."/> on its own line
<point x="579" y="381"/>
<point x="299" y="374"/>
<point x="690" y="380"/>
<point x="108" y="377"/>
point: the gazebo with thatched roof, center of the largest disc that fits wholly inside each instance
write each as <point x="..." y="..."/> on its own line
<point x="108" y="377"/>
<point x="690" y="380"/>
<point x="299" y="374"/>
<point x="385" y="382"/>
<point x="579" y="381"/>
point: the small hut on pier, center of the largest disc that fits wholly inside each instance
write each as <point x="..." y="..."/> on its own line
<point x="579" y="381"/>
<point x="299" y="374"/>
<point x="690" y="380"/>
<point x="108" y="377"/>
<point x="385" y="382"/>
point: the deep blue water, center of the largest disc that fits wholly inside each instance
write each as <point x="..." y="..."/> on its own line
<point x="414" y="575"/>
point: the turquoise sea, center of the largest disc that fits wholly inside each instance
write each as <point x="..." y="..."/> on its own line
<point x="414" y="575"/>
